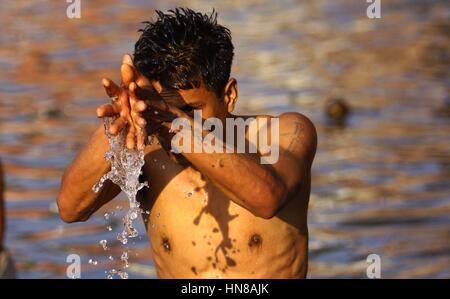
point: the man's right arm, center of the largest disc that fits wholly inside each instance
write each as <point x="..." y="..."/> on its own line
<point x="76" y="200"/>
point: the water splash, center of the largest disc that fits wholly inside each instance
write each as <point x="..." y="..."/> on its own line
<point x="125" y="170"/>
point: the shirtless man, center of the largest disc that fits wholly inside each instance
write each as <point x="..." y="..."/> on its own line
<point x="212" y="215"/>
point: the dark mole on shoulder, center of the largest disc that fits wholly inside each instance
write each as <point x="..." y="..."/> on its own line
<point x="215" y="230"/>
<point x="193" y="243"/>
<point x="194" y="270"/>
<point x="255" y="241"/>
<point x="166" y="244"/>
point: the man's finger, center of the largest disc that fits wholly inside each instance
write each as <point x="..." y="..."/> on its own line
<point x="133" y="92"/>
<point x="124" y="103"/>
<point x="139" y="106"/>
<point x="141" y="137"/>
<point x="127" y="74"/>
<point x="131" y="137"/>
<point x="140" y="79"/>
<point x="111" y="88"/>
<point x="117" y="125"/>
<point x="161" y="107"/>
<point x="107" y="110"/>
<point x="139" y="120"/>
<point x="127" y="59"/>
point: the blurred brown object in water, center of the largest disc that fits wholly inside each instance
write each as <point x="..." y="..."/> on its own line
<point x="337" y="111"/>
<point x="6" y="263"/>
<point x="444" y="110"/>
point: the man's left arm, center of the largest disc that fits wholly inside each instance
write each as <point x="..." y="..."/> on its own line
<point x="264" y="188"/>
<point x="260" y="188"/>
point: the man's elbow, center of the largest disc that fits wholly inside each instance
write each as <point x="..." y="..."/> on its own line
<point x="68" y="214"/>
<point x="266" y="213"/>
<point x="68" y="217"/>
<point x="271" y="204"/>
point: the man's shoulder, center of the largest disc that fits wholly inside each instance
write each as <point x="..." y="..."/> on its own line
<point x="296" y="122"/>
<point x="298" y="129"/>
<point x="291" y="120"/>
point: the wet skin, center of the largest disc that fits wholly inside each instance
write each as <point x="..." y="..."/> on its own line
<point x="211" y="215"/>
<point x="207" y="235"/>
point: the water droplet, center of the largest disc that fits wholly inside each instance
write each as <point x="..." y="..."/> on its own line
<point x="103" y="244"/>
<point x="92" y="262"/>
<point x="157" y="215"/>
<point x="109" y="228"/>
<point x="133" y="215"/>
<point x="124" y="258"/>
<point x="110" y="258"/>
<point x="122" y="238"/>
<point x="132" y="232"/>
<point x="122" y="274"/>
<point x="109" y="155"/>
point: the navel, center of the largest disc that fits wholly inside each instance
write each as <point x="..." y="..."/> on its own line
<point x="166" y="244"/>
<point x="255" y="241"/>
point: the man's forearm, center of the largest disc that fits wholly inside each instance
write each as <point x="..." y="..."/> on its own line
<point x="76" y="200"/>
<point x="240" y="176"/>
<point x="247" y="182"/>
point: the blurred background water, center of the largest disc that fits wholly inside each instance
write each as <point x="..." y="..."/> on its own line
<point x="381" y="178"/>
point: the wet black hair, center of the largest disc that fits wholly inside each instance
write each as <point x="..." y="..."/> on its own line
<point x="182" y="48"/>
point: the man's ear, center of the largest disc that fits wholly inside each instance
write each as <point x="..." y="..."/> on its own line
<point x="230" y="94"/>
